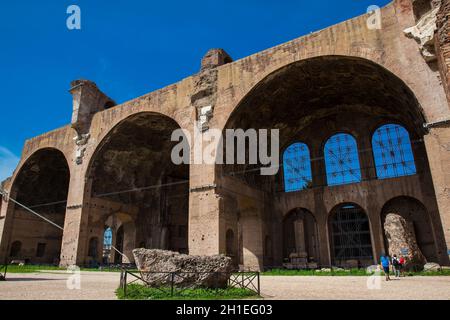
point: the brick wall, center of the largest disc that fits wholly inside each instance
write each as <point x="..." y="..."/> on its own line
<point x="443" y="44"/>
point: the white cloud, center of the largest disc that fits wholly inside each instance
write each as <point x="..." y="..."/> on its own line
<point x="8" y="163"/>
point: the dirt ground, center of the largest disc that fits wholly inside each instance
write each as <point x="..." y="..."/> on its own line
<point x="355" y="288"/>
<point x="53" y="286"/>
<point x="101" y="286"/>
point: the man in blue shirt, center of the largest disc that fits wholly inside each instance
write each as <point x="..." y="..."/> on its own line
<point x="385" y="262"/>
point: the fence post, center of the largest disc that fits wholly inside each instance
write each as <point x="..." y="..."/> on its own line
<point x="3" y="276"/>
<point x="125" y="283"/>
<point x="259" y="285"/>
<point x="172" y="278"/>
<point x="217" y="282"/>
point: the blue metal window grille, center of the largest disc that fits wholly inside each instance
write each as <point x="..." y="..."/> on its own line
<point x="107" y="238"/>
<point x="392" y="152"/>
<point x="342" y="160"/>
<point x="297" y="167"/>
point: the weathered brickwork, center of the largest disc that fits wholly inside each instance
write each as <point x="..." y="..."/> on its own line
<point x="346" y="78"/>
<point x="443" y="43"/>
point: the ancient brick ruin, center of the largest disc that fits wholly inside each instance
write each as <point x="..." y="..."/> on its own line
<point x="357" y="94"/>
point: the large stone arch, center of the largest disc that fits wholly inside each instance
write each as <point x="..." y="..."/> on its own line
<point x="170" y="102"/>
<point x="131" y="171"/>
<point x="261" y="81"/>
<point x="108" y="124"/>
<point x="124" y="223"/>
<point x="54" y="140"/>
<point x="372" y="57"/>
<point x="309" y="100"/>
<point x="105" y="122"/>
<point x="238" y="94"/>
<point x="377" y="46"/>
<point x="350" y="236"/>
<point x="40" y="183"/>
<point x="301" y="245"/>
<point x="417" y="216"/>
<point x="296" y="95"/>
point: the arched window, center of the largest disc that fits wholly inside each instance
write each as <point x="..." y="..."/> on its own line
<point x="392" y="152"/>
<point x="342" y="160"/>
<point x="107" y="239"/>
<point x="107" y="244"/>
<point x="297" y="167"/>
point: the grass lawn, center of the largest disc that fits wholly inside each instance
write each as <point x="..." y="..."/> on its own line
<point x="31" y="268"/>
<point x="140" y="292"/>
<point x="36" y="268"/>
<point x="445" y="272"/>
<point x="273" y="272"/>
<point x="352" y="272"/>
<point x="286" y="272"/>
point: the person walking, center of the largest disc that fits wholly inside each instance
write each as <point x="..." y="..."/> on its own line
<point x="385" y="262"/>
<point x="402" y="264"/>
<point x="396" y="266"/>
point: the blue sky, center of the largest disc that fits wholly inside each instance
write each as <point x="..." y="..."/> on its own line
<point x="130" y="48"/>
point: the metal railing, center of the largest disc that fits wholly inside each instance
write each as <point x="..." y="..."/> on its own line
<point x="246" y="280"/>
<point x="3" y="269"/>
<point x="169" y="281"/>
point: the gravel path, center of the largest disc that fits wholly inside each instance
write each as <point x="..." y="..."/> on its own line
<point x="349" y="288"/>
<point x="101" y="286"/>
<point x="53" y="286"/>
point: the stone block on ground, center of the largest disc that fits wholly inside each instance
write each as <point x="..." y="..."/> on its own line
<point x="190" y="271"/>
<point x="431" y="266"/>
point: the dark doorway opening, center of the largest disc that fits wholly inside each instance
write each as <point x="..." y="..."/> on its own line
<point x="351" y="244"/>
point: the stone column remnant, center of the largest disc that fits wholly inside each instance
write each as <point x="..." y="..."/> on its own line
<point x="402" y="241"/>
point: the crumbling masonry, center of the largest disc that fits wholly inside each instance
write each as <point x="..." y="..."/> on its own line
<point x="101" y="170"/>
